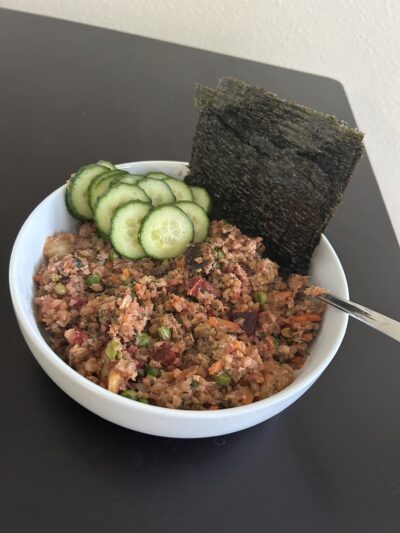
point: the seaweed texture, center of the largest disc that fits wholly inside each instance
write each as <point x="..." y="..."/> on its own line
<point x="274" y="168"/>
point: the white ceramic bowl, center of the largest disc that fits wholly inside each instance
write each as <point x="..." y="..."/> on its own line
<point x="51" y="216"/>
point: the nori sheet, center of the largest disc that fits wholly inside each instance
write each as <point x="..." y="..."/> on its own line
<point x="273" y="168"/>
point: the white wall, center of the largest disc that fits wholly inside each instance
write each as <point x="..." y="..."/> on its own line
<point x="356" y="42"/>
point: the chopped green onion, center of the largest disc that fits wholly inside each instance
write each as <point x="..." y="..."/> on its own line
<point x="223" y="378"/>
<point x="276" y="343"/>
<point x="112" y="255"/>
<point x="164" y="333"/>
<point x="60" y="289"/>
<point x="113" y="350"/>
<point x="152" y="371"/>
<point x="261" y="297"/>
<point x="143" y="339"/>
<point x="220" y="253"/>
<point x="194" y="384"/>
<point x="92" y="279"/>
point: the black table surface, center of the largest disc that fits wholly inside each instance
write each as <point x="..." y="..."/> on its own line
<point x="71" y="94"/>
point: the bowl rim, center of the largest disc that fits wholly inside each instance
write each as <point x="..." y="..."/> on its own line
<point x="40" y="344"/>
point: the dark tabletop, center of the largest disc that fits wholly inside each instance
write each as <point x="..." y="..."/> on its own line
<point x="71" y="94"/>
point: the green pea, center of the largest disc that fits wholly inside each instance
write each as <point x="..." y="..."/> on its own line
<point x="261" y="297"/>
<point x="223" y="378"/>
<point x="164" y="333"/>
<point x="94" y="239"/>
<point x="220" y="253"/>
<point x="129" y="393"/>
<point x="112" y="255"/>
<point x="133" y="395"/>
<point x="92" y="279"/>
<point x="60" y="289"/>
<point x="152" y="371"/>
<point x="113" y="350"/>
<point x="143" y="339"/>
<point x="143" y="400"/>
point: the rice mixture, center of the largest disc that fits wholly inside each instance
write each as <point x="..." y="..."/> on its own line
<point x="213" y="328"/>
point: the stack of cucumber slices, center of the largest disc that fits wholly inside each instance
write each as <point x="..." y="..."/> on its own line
<point x="154" y="215"/>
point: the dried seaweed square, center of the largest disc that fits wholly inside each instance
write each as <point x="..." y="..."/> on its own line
<point x="274" y="168"/>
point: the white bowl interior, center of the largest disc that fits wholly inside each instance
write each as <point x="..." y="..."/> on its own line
<point x="51" y="216"/>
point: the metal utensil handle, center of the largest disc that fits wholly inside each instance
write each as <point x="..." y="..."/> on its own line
<point x="382" y="323"/>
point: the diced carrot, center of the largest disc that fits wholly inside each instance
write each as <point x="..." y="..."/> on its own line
<point x="180" y="262"/>
<point x="213" y="408"/>
<point x="306" y="318"/>
<point x="215" y="322"/>
<point x="231" y="326"/>
<point x="125" y="273"/>
<point x="215" y="367"/>
<point x="239" y="345"/>
<point x="247" y="397"/>
<point x="297" y="361"/>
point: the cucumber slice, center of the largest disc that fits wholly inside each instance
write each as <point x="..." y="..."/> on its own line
<point x="67" y="205"/>
<point x="157" y="175"/>
<point x="106" y="163"/>
<point x="157" y="190"/>
<point x="117" y="195"/>
<point x="125" y="224"/>
<point x="132" y="179"/>
<point x="180" y="189"/>
<point x="77" y="193"/>
<point x="165" y="232"/>
<point x="201" y="198"/>
<point x="198" y="217"/>
<point x="100" y="184"/>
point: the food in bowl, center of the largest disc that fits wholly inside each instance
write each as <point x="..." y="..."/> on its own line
<point x="215" y="327"/>
<point x="209" y="328"/>
<point x="50" y="217"/>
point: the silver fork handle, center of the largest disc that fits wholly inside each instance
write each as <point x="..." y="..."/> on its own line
<point x="382" y="323"/>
